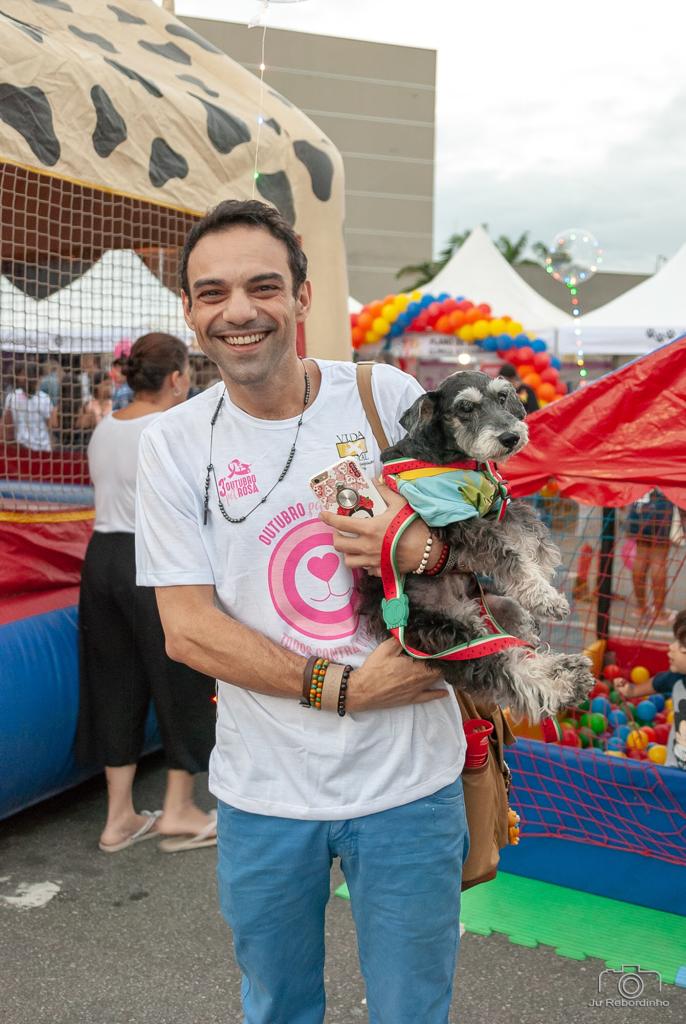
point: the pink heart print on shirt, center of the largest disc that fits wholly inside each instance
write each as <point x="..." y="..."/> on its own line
<point x="324" y="567"/>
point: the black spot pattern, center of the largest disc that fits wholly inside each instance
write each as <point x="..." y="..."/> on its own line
<point x="135" y="77"/>
<point x="30" y="30"/>
<point x="57" y="4"/>
<point x="27" y="110"/>
<point x="276" y="189"/>
<point x="187" y="33"/>
<point x="200" y="84"/>
<point x="165" y="163"/>
<point x="93" y="37"/>
<point x="169" y="50"/>
<point x="110" y="127"/>
<point x="129" y="19"/>
<point x="274" y="125"/>
<point x="319" y="165"/>
<point x="225" y="130"/>
<point x="278" y="95"/>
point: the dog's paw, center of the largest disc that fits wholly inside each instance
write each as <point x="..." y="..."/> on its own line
<point x="552" y="606"/>
<point x="577" y="671"/>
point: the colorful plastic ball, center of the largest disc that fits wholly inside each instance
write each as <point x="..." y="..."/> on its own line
<point x="615" y="696"/>
<point x="661" y="732"/>
<point x="612" y="672"/>
<point x="599" y="689"/>
<point x="615" y="743"/>
<point x="629" y="710"/>
<point x="624" y="731"/>
<point x="637" y="740"/>
<point x="616" y="753"/>
<point x="670" y="717"/>
<point x="586" y="736"/>
<point x="645" y="711"/>
<point x="584" y="705"/>
<point x="669" y="704"/>
<point x="648" y="731"/>
<point x="635" y="754"/>
<point x="658" y="754"/>
<point x="570" y="738"/>
<point x="660" y="717"/>
<point x="616" y="717"/>
<point x="639" y="674"/>
<point x="658" y="700"/>
<point x="603" y="706"/>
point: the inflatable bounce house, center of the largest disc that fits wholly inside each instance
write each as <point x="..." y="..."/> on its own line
<point x="119" y="127"/>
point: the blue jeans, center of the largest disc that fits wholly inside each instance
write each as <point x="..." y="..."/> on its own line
<point x="403" y="868"/>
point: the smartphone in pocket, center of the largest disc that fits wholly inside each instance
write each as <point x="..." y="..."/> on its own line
<point x="344" y="489"/>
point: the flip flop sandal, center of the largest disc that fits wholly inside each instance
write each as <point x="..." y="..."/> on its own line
<point x="146" y="831"/>
<point x="207" y="837"/>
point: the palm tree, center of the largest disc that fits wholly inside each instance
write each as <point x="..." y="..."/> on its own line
<point x="513" y="251"/>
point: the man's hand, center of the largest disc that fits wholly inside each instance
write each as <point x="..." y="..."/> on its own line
<point x="389" y="679"/>
<point x="363" y="550"/>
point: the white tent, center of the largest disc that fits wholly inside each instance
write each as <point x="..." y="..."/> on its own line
<point x="480" y="273"/>
<point x="118" y="297"/>
<point x="635" y="322"/>
<point x="353" y="305"/>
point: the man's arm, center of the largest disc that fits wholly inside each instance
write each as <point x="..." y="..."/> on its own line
<point x="205" y="638"/>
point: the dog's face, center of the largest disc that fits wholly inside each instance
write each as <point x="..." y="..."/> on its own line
<point x="469" y="413"/>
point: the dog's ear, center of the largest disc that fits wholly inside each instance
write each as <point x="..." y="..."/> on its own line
<point x="419" y="414"/>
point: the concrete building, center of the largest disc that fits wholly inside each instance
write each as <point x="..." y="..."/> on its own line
<point x="376" y="104"/>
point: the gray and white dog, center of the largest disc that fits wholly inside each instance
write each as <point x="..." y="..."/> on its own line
<point x="473" y="416"/>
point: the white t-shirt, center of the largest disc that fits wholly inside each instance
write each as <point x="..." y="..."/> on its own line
<point x="30" y="415"/>
<point x="112" y="462"/>
<point x="278" y="573"/>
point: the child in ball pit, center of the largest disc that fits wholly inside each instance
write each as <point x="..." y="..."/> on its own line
<point x="672" y="683"/>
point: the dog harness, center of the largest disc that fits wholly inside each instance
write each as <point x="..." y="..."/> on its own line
<point x="440" y="495"/>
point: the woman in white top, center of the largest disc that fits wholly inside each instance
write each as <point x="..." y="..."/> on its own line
<point x="29" y="415"/>
<point x="123" y="660"/>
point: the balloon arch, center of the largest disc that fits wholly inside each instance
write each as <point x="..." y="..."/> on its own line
<point x="382" y="321"/>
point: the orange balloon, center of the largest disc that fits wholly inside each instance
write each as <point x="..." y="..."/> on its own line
<point x="532" y="380"/>
<point x="365" y="320"/>
<point x="375" y="308"/>
<point x="472" y="315"/>
<point x="525" y="370"/>
<point x="546" y="392"/>
<point x="357" y="335"/>
<point x="443" y="324"/>
<point x="456" y="319"/>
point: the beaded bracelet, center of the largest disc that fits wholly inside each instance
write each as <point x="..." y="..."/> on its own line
<point x="438" y="568"/>
<point x="313" y="682"/>
<point x="343" y="690"/>
<point x="425" y="557"/>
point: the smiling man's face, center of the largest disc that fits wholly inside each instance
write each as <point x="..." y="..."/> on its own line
<point x="241" y="304"/>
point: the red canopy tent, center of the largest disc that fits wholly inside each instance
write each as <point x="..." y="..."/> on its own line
<point x="611" y="441"/>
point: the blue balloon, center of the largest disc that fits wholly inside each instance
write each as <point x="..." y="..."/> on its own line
<point x="521" y="341"/>
<point x="505" y="341"/>
<point x="491" y="344"/>
<point x="412" y="310"/>
<point x="443" y="296"/>
<point x="403" y="320"/>
<point x="658" y="700"/>
<point x="555" y="363"/>
<point x="539" y="345"/>
<point x="426" y="300"/>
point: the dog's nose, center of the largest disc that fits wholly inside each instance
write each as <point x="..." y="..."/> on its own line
<point x="508" y="440"/>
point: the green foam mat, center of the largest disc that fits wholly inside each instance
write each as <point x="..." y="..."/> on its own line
<point x="575" y="924"/>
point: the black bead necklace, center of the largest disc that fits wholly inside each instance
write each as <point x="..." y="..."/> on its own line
<point x="282" y="474"/>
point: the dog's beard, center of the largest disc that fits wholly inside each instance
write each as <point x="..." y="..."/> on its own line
<point x="485" y="445"/>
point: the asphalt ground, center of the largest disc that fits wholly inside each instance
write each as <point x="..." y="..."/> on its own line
<point x="136" y="938"/>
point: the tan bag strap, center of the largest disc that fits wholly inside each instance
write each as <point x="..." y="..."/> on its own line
<point x="364" y="386"/>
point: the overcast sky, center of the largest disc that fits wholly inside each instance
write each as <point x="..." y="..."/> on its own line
<point x="548" y="115"/>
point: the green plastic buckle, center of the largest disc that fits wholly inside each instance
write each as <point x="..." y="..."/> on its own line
<point x="396" y="611"/>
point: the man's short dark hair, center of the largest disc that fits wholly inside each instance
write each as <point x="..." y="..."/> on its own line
<point x="253" y="213"/>
<point x="679" y="628"/>
<point x="509" y="371"/>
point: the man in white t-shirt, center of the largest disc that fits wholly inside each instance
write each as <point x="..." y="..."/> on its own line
<point x="251" y="584"/>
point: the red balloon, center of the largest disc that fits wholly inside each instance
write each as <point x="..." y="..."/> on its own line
<point x="526" y="354"/>
<point x="549" y="376"/>
<point x="485" y="309"/>
<point x="541" y="361"/>
<point x="561" y="387"/>
<point x="434" y="309"/>
<point x="449" y="305"/>
<point x="357" y="335"/>
<point x="421" y="321"/>
<point x="464" y="305"/>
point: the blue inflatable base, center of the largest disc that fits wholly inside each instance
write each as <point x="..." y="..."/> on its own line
<point x="39" y="700"/>
<point x="582" y="807"/>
